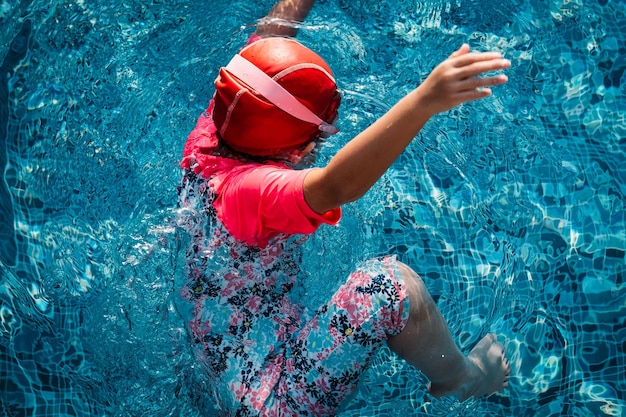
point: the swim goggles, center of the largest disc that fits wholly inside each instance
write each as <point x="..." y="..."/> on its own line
<point x="276" y="94"/>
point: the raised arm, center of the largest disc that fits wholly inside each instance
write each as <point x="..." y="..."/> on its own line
<point x="359" y="164"/>
<point x="281" y="18"/>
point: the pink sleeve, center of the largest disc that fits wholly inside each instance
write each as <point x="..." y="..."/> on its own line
<point x="259" y="202"/>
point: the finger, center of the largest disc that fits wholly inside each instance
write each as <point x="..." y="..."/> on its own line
<point x="480" y="67"/>
<point x="462" y="50"/>
<point x="477" y="88"/>
<point x="470" y="58"/>
<point x="481" y="82"/>
<point x="472" y="95"/>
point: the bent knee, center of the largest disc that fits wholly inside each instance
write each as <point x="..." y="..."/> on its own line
<point x="420" y="302"/>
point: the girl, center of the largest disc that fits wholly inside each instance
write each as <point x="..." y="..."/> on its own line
<point x="249" y="212"/>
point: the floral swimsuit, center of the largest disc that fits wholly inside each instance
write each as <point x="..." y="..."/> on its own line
<point x="262" y="353"/>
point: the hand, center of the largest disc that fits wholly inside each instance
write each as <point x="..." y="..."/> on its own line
<point x="282" y="19"/>
<point x="456" y="80"/>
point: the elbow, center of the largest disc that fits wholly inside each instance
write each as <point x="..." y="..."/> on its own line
<point x="352" y="194"/>
<point x="344" y="192"/>
<point x="325" y="192"/>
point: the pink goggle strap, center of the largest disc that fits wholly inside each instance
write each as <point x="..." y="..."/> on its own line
<point x="265" y="85"/>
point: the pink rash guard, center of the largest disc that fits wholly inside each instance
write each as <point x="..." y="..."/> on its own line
<point x="255" y="202"/>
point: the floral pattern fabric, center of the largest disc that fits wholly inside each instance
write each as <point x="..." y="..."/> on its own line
<point x="261" y="352"/>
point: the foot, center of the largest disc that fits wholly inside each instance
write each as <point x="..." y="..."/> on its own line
<point x="487" y="372"/>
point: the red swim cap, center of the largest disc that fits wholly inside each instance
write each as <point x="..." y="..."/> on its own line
<point x="250" y="123"/>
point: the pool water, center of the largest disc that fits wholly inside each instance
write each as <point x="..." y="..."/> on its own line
<point x="511" y="208"/>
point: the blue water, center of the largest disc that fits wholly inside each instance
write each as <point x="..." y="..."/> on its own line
<point x="511" y="208"/>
